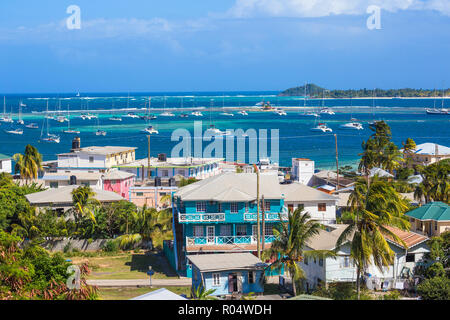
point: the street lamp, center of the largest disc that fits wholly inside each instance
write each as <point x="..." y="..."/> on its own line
<point x="150" y="272"/>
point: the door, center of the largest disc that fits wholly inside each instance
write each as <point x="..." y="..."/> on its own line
<point x="254" y="233"/>
<point x="210" y="234"/>
<point x="232" y="283"/>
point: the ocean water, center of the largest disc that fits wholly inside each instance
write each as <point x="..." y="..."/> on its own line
<point x="406" y="117"/>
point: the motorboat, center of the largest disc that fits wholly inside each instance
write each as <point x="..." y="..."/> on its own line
<point x="15" y="131"/>
<point x="197" y="114"/>
<point x="352" y="126"/>
<point x="150" y="130"/>
<point x="32" y="126"/>
<point x="322" y="127"/>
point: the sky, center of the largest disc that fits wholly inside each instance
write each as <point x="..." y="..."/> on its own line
<point x="222" y="45"/>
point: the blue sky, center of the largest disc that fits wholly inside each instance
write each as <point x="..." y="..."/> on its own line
<point x="226" y="45"/>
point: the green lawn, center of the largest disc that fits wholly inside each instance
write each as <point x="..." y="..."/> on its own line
<point x="128" y="265"/>
<point x="128" y="293"/>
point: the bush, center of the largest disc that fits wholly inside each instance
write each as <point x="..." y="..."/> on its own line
<point x="393" y="295"/>
<point x="435" y="270"/>
<point x="111" y="246"/>
<point x="437" y="288"/>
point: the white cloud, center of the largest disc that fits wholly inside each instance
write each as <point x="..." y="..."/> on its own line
<point x="322" y="8"/>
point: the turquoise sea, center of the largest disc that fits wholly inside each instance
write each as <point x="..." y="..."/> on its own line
<point x="406" y="117"/>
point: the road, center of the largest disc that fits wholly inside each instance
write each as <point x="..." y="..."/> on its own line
<point x="181" y="282"/>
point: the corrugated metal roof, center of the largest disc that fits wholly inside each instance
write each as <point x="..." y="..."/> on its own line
<point x="297" y="192"/>
<point x="226" y="261"/>
<point x="410" y="238"/>
<point x="438" y="211"/>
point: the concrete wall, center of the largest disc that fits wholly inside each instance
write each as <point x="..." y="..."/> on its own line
<point x="5" y="166"/>
<point x="83" y="245"/>
<point x="312" y="207"/>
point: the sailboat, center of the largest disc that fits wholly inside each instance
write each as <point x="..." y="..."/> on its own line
<point x="196" y="113"/>
<point x="149" y="129"/>
<point x="183" y="115"/>
<point x="22" y="104"/>
<point x="32" y="126"/>
<point x="438" y="112"/>
<point x="4" y="117"/>
<point x="373" y="122"/>
<point x="308" y="113"/>
<point x="322" y="127"/>
<point x="115" y="118"/>
<point x="51" y="138"/>
<point x="148" y="116"/>
<point x="212" y="130"/>
<point x="130" y="114"/>
<point x="99" y="132"/>
<point x="17" y="130"/>
<point x="68" y="130"/>
<point x="20" y="121"/>
<point x="78" y="94"/>
<point x="325" y="110"/>
<point x="166" y="113"/>
<point x="353" y="124"/>
<point x="224" y="113"/>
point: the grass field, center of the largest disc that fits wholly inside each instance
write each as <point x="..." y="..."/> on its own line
<point x="128" y="293"/>
<point x="127" y="265"/>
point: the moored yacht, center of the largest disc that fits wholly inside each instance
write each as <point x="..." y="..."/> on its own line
<point x="15" y="131"/>
<point x="150" y="130"/>
<point x="352" y="126"/>
<point x="197" y="114"/>
<point x="327" y="110"/>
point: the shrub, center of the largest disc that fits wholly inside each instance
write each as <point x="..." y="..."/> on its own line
<point x="67" y="248"/>
<point x="437" y="288"/>
<point x="393" y="295"/>
<point x="111" y="246"/>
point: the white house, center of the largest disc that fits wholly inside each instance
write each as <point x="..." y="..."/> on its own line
<point x="428" y="153"/>
<point x="342" y="269"/>
<point x="5" y="163"/>
<point x="302" y="170"/>
<point x="320" y="205"/>
<point x="80" y="177"/>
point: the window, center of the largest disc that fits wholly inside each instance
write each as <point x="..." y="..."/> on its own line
<point x="410" y="257"/>
<point x="435" y="226"/>
<point x="306" y="260"/>
<point x="267" y="205"/>
<point x="225" y="230"/>
<point x="165" y="173"/>
<point x="321" y="262"/>
<point x="201" y="206"/>
<point x="251" y="277"/>
<point x="268" y="229"/>
<point x="219" y="207"/>
<point x="322" y="206"/>
<point x="344" y="262"/>
<point x="91" y="159"/>
<point x="216" y="279"/>
<point x="241" y="230"/>
<point x="198" y="231"/>
<point x="54" y="185"/>
<point x="139" y="194"/>
<point x="234" y="207"/>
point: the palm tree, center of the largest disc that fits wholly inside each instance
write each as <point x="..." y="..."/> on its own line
<point x="83" y="202"/>
<point x="436" y="184"/>
<point x="291" y="239"/>
<point x="29" y="163"/>
<point x="392" y="158"/>
<point x="373" y="209"/>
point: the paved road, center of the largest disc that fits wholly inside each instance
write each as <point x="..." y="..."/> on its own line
<point x="182" y="282"/>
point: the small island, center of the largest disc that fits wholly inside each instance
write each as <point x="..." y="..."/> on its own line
<point x="314" y="91"/>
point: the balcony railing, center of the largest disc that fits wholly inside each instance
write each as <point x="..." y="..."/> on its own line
<point x="223" y="240"/>
<point x="201" y="217"/>
<point x="267" y="216"/>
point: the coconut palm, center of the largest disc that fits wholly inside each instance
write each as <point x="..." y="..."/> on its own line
<point x="373" y="209"/>
<point x="392" y="158"/>
<point x="436" y="184"/>
<point x="29" y="163"/>
<point x="83" y="202"/>
<point x="289" y="244"/>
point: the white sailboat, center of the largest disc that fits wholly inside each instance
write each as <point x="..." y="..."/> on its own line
<point x="114" y="118"/>
<point x="243" y="112"/>
<point x="68" y="130"/>
<point x="150" y="130"/>
<point x="438" y="112"/>
<point x="308" y="113"/>
<point x="212" y="130"/>
<point x="32" y="126"/>
<point x="4" y="117"/>
<point x="60" y="118"/>
<point x="224" y="113"/>
<point x="50" y="138"/>
<point x="353" y="124"/>
<point x="322" y="127"/>
<point x="166" y="113"/>
<point x="99" y="132"/>
<point x="197" y="114"/>
<point x="20" y="121"/>
<point x="15" y="131"/>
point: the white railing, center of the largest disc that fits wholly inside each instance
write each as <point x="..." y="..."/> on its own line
<point x="201" y="217"/>
<point x="267" y="216"/>
<point x="221" y="240"/>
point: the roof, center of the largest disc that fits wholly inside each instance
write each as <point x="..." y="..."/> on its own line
<point x="438" y="211"/>
<point x="160" y="294"/>
<point x="326" y="239"/>
<point x="4" y="157"/>
<point x="226" y="261"/>
<point x="430" y="149"/>
<point x="172" y="162"/>
<point x="117" y="175"/>
<point x="79" y="174"/>
<point x="297" y="192"/>
<point x="63" y="195"/>
<point x="231" y="186"/>
<point x="106" y="150"/>
<point x="308" y="297"/>
<point x="410" y="238"/>
<point x="380" y="173"/>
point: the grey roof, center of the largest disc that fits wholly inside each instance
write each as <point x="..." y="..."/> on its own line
<point x="180" y="162"/>
<point x="117" y="175"/>
<point x="226" y="261"/>
<point x="297" y="192"/>
<point x="231" y="187"/>
<point x="326" y="240"/>
<point x="430" y="149"/>
<point x="102" y="150"/>
<point x="160" y="294"/>
<point x="380" y="172"/>
<point x="63" y="195"/>
<point x="79" y="174"/>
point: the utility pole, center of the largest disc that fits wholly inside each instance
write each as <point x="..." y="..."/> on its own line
<point x="258" y="231"/>
<point x="149" y="173"/>
<point x="263" y="223"/>
<point x="337" y="162"/>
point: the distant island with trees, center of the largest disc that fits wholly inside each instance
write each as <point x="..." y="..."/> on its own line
<point x="314" y="91"/>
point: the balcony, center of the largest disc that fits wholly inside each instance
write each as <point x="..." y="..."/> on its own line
<point x="225" y="240"/>
<point x="267" y="216"/>
<point x="201" y="217"/>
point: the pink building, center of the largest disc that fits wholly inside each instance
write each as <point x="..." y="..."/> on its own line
<point x="150" y="196"/>
<point x="119" y="182"/>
